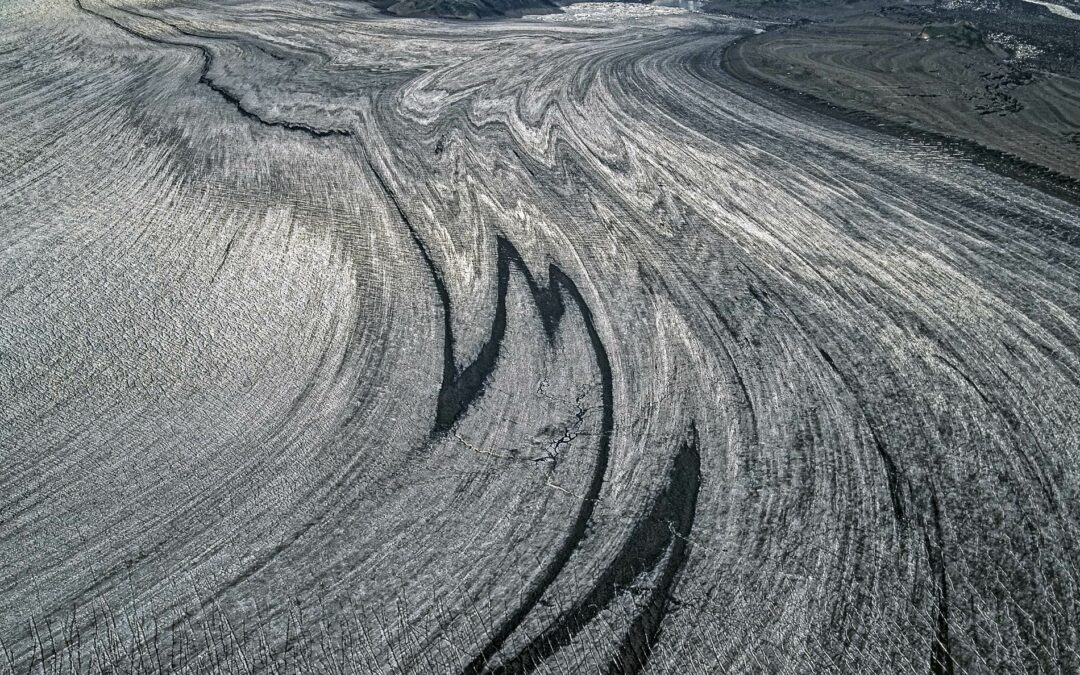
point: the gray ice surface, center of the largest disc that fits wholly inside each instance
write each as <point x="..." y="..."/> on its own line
<point x="771" y="393"/>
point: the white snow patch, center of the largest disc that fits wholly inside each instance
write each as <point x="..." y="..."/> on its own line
<point x="607" y="12"/>
<point x="1057" y="9"/>
<point x="1021" y="51"/>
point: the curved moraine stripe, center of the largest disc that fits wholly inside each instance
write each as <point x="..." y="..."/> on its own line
<point x="336" y="342"/>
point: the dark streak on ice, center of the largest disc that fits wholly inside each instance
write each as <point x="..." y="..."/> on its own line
<point x="205" y="79"/>
<point x="664" y="530"/>
<point x="892" y="474"/>
<point x="681" y="497"/>
<point x="461" y="387"/>
<point x="449" y="366"/>
<point x="459" y="392"/>
<point x="941" y="661"/>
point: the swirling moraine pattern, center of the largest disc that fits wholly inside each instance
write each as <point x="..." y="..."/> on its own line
<point x="544" y="343"/>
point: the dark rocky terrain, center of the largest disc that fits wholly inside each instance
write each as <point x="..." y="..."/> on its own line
<point x="1004" y="82"/>
<point x="342" y="342"/>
